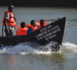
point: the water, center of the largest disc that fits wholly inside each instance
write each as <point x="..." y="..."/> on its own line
<point x="24" y="57"/>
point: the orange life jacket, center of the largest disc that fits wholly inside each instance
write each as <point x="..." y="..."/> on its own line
<point x="21" y="31"/>
<point x="39" y="25"/>
<point x="32" y="27"/>
<point x="11" y="21"/>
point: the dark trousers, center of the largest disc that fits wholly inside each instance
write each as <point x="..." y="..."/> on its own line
<point x="9" y="32"/>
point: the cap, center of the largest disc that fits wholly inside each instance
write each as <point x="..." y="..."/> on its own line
<point x="10" y="7"/>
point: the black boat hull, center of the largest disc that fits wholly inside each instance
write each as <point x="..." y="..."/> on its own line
<point x="53" y="32"/>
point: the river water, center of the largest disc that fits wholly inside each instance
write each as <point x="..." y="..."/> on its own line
<point x="24" y="57"/>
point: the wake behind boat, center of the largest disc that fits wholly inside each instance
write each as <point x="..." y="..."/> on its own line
<point x="53" y="34"/>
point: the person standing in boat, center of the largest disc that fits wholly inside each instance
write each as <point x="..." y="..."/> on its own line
<point x="22" y="29"/>
<point x="9" y="21"/>
<point x="41" y="23"/>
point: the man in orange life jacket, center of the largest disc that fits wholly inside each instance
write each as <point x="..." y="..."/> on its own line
<point x="9" y="21"/>
<point x="22" y="29"/>
<point x="41" y="23"/>
<point x="31" y="27"/>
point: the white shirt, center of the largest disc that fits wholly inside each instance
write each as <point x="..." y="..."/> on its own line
<point x="6" y="16"/>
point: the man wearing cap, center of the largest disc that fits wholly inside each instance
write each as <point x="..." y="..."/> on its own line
<point x="9" y="21"/>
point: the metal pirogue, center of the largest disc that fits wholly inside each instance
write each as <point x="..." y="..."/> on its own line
<point x="53" y="32"/>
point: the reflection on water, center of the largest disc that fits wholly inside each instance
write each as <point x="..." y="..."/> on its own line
<point x="57" y="57"/>
<point x="10" y="62"/>
<point x="31" y="62"/>
<point x="39" y="62"/>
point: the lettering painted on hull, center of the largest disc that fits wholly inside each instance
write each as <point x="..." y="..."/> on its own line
<point x="48" y="32"/>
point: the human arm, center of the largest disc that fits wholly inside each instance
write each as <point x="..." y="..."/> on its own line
<point x="6" y="17"/>
<point x="30" y="26"/>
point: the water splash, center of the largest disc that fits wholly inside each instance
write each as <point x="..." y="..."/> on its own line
<point x="23" y="48"/>
<point x="33" y="48"/>
<point x="69" y="47"/>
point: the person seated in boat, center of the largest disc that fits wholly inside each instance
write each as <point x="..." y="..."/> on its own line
<point x="22" y="29"/>
<point x="41" y="23"/>
<point x="33" y="24"/>
<point x="31" y="27"/>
